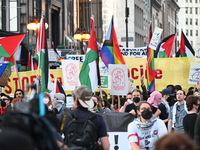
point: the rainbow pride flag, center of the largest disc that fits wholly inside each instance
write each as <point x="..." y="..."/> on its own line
<point x="110" y="52"/>
<point x="151" y="73"/>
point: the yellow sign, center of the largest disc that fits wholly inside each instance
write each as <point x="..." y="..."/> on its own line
<point x="169" y="71"/>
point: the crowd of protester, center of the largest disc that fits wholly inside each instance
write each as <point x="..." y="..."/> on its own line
<point x="166" y="119"/>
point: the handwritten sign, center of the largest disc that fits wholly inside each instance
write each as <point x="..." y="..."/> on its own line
<point x="155" y="38"/>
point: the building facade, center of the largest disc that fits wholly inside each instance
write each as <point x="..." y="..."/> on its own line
<point x="188" y="21"/>
<point x="65" y="16"/>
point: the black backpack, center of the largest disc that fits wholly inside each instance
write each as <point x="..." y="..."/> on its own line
<point x="81" y="132"/>
<point x="38" y="128"/>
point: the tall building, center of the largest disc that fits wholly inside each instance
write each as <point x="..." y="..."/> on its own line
<point x="188" y="21"/>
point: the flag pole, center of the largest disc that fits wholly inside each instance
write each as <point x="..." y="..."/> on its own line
<point x="100" y="90"/>
<point x="17" y="74"/>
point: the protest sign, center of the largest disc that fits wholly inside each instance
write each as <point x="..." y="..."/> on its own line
<point x="70" y="72"/>
<point x="119" y="79"/>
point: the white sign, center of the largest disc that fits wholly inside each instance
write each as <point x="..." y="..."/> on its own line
<point x="52" y="55"/>
<point x="119" y="79"/>
<point x="119" y="139"/>
<point x="137" y="52"/>
<point x="155" y="38"/>
<point x="197" y="53"/>
<point x="194" y="73"/>
<point x="70" y="71"/>
<point x="69" y="101"/>
<point x="79" y="58"/>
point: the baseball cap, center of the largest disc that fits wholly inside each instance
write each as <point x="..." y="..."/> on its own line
<point x="166" y="92"/>
<point x="84" y="95"/>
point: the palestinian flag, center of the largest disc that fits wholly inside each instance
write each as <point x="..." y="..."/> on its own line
<point x="185" y="49"/>
<point x="89" y="74"/>
<point x="8" y="45"/>
<point x="59" y="88"/>
<point x="164" y="48"/>
<point x="43" y="58"/>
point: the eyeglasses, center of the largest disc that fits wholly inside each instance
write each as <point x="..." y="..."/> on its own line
<point x="4" y="99"/>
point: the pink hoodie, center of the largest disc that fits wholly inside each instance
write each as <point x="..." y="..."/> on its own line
<point x="155" y="98"/>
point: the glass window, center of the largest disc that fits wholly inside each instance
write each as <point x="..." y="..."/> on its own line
<point x="190" y="10"/>
<point x="197" y="34"/>
<point x="190" y="21"/>
<point x="196" y="1"/>
<point x="196" y="10"/>
<point x="186" y="32"/>
<point x="186" y="10"/>
<point x="186" y="21"/>
<point x="190" y="32"/>
<point x="186" y="1"/>
<point x="196" y="22"/>
<point x="13" y="15"/>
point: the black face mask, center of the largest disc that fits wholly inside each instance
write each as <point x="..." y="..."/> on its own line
<point x="146" y="114"/>
<point x="136" y="99"/>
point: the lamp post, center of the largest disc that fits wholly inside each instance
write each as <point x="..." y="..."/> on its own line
<point x="82" y="34"/>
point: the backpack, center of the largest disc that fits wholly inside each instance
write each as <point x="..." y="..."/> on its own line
<point x="81" y="132"/>
<point x="38" y="128"/>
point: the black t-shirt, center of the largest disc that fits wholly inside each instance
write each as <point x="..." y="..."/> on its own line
<point x="130" y="107"/>
<point x="188" y="124"/>
<point x="98" y="121"/>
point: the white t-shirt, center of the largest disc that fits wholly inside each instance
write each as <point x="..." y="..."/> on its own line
<point x="146" y="137"/>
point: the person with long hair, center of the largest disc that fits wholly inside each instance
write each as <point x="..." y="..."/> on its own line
<point x="145" y="129"/>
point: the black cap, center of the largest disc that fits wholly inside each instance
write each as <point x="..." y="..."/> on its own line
<point x="166" y="92"/>
<point x="2" y="94"/>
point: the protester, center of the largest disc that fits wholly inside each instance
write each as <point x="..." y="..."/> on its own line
<point x="177" y="113"/>
<point x="175" y="141"/>
<point x="136" y="96"/>
<point x="5" y="103"/>
<point x="145" y="130"/>
<point x="59" y="102"/>
<point x="164" y="106"/>
<point x="98" y="107"/>
<point x="155" y="100"/>
<point x="189" y="120"/>
<point x="83" y="102"/>
<point x="197" y="131"/>
<point x="19" y="94"/>
<point x="129" y="100"/>
<point x="48" y="102"/>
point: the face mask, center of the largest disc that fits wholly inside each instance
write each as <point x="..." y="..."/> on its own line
<point x="46" y="100"/>
<point x="146" y="114"/>
<point x="136" y="99"/>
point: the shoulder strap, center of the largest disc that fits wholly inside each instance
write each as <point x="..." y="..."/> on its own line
<point x="63" y="120"/>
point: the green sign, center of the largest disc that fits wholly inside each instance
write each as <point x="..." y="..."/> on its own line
<point x="104" y="82"/>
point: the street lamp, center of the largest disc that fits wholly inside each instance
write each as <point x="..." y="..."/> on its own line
<point x="82" y="34"/>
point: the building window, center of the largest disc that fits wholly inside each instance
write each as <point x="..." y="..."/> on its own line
<point x="196" y="22"/>
<point x="190" y="1"/>
<point x="186" y="21"/>
<point x="191" y="42"/>
<point x="190" y="21"/>
<point x="13" y="15"/>
<point x="196" y="10"/>
<point x="196" y="1"/>
<point x="186" y="10"/>
<point x="190" y="32"/>
<point x="190" y="10"/>
<point x="186" y="32"/>
<point x="197" y="33"/>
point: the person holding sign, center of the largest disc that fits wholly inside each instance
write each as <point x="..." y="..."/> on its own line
<point x="145" y="130"/>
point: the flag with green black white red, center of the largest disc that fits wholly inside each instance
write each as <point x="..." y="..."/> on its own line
<point x="164" y="48"/>
<point x="89" y="74"/>
<point x="43" y="56"/>
<point x="185" y="49"/>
